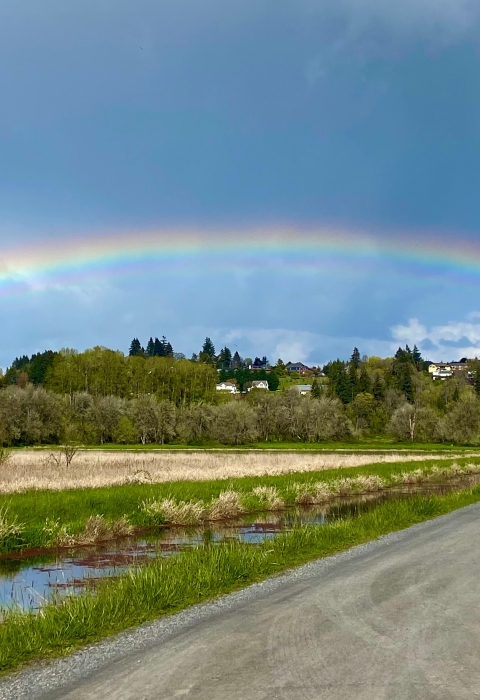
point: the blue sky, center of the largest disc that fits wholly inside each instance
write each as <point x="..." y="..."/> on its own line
<point x="358" y="114"/>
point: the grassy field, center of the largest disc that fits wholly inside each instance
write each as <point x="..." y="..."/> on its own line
<point x="167" y="586"/>
<point x="49" y="518"/>
<point x="365" y="444"/>
<point x="44" y="469"/>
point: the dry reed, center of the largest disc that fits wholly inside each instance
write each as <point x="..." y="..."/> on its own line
<point x="32" y="469"/>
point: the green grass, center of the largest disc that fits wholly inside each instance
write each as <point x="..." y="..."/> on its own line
<point x="73" y="507"/>
<point x="168" y="586"/>
<point x="373" y="444"/>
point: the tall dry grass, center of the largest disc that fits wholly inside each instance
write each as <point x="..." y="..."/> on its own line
<point x="29" y="469"/>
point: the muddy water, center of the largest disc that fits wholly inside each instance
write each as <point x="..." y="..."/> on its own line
<point x="29" y="583"/>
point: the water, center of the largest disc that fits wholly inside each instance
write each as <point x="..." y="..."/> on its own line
<point x="27" y="583"/>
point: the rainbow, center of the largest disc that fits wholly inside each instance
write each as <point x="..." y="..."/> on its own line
<point x="78" y="259"/>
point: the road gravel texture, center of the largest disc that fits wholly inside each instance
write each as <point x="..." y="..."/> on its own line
<point x="398" y="618"/>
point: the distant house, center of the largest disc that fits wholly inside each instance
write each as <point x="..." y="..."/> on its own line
<point x="228" y="385"/>
<point x="304" y="389"/>
<point x="297" y="367"/>
<point x="260" y="384"/>
<point x="443" y="370"/>
<point x="447" y="367"/>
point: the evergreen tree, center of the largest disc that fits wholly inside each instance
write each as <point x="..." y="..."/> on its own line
<point x="207" y="353"/>
<point x="157" y="348"/>
<point x="355" y="358"/>
<point x="237" y="361"/>
<point x="417" y="357"/>
<point x="150" y="348"/>
<point x="364" y="383"/>
<point x="135" y="348"/>
<point x="339" y="380"/>
<point x="273" y="381"/>
<point x="352" y="381"/>
<point x="224" y="359"/>
<point x="316" y="390"/>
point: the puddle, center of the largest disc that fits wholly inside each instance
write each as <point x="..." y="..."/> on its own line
<point x="29" y="583"/>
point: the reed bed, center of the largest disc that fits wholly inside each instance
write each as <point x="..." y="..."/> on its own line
<point x="39" y="469"/>
<point x="168" y="586"/>
<point x="51" y="519"/>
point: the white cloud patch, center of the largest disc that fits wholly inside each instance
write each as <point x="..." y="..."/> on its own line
<point x="443" y="342"/>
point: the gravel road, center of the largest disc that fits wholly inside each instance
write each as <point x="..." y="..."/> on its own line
<point x="398" y="618"/>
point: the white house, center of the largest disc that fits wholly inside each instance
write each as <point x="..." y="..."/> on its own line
<point x="259" y="384"/>
<point x="228" y="385"/>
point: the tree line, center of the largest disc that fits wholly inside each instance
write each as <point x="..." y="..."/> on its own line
<point x="102" y="395"/>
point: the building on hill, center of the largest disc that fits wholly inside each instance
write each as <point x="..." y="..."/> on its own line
<point x="230" y="385"/>
<point x="258" y="384"/>
<point x="296" y="368"/>
<point x="443" y="370"/>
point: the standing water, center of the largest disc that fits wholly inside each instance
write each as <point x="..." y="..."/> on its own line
<point x="27" y="583"/>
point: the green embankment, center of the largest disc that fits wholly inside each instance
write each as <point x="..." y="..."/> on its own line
<point x="168" y="586"/>
<point x="39" y="516"/>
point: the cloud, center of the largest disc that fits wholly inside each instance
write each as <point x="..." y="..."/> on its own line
<point x="373" y="25"/>
<point x="461" y="338"/>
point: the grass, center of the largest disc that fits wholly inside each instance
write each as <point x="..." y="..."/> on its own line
<point x="48" y="518"/>
<point x="354" y="445"/>
<point x="38" y="469"/>
<point x="168" y="586"/>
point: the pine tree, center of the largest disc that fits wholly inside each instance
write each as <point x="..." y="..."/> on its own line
<point x="355" y="358"/>
<point x="364" y="383"/>
<point x="237" y="361"/>
<point x="224" y="359"/>
<point x="158" y="348"/>
<point x="417" y="356"/>
<point x="135" y="348"/>
<point x="352" y="382"/>
<point x="208" y="348"/>
<point x="207" y="353"/>
<point x="316" y="390"/>
<point x="150" y="348"/>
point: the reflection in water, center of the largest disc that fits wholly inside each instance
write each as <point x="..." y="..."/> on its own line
<point x="28" y="583"/>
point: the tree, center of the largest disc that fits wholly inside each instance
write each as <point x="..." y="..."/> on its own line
<point x="364" y="383"/>
<point x="339" y="380"/>
<point x="411" y="422"/>
<point x="355" y="359"/>
<point x="150" y="351"/>
<point x="135" y="348"/>
<point x="207" y="353"/>
<point x="224" y="360"/>
<point x="280" y="368"/>
<point x="361" y="410"/>
<point x="316" y="390"/>
<point x="273" y="381"/>
<point x="235" y="423"/>
<point x="237" y="361"/>
<point x="378" y="389"/>
<point x="462" y="423"/>
<point x="417" y="357"/>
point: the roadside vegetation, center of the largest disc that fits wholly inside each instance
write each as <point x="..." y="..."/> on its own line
<point x="169" y="585"/>
<point x="42" y="519"/>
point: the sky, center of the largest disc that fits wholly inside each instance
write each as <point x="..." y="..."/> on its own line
<point x="291" y="178"/>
